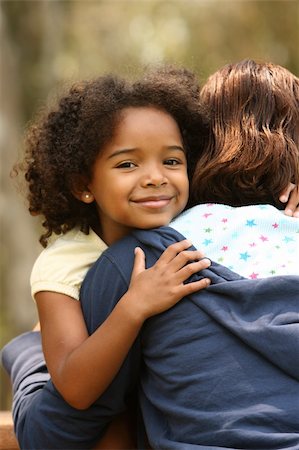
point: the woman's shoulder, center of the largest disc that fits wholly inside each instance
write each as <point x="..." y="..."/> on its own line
<point x="213" y="210"/>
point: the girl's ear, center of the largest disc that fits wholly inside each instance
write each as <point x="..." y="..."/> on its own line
<point x="81" y="192"/>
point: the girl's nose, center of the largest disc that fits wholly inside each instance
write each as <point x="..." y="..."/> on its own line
<point x="154" y="178"/>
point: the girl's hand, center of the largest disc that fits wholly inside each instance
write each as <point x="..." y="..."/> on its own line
<point x="157" y="289"/>
<point x="291" y="195"/>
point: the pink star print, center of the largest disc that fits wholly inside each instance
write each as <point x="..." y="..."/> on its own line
<point x="263" y="238"/>
<point x="275" y="225"/>
<point x="206" y="215"/>
<point x="225" y="248"/>
<point x="253" y="276"/>
<point x="253" y="244"/>
<point x="224" y="220"/>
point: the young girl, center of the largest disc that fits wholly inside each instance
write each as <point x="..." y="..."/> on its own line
<point x="111" y="157"/>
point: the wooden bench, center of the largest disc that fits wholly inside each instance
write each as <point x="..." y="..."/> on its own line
<point x="8" y="439"/>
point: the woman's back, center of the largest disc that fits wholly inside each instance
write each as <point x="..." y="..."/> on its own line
<point x="256" y="241"/>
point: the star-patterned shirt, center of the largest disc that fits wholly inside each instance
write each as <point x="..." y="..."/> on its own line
<point x="255" y="241"/>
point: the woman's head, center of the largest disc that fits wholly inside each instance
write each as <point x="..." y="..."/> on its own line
<point x="62" y="146"/>
<point x="253" y="148"/>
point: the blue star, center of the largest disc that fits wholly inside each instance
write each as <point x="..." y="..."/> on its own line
<point x="250" y="223"/>
<point x="207" y="241"/>
<point x="244" y="256"/>
<point x="288" y="239"/>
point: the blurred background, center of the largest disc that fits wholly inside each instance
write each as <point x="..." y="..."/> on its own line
<point x="47" y="43"/>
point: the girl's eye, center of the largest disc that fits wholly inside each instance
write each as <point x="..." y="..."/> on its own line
<point x="126" y="165"/>
<point x="172" y="162"/>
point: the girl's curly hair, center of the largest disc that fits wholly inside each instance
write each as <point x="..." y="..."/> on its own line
<point x="63" y="144"/>
<point x="253" y="148"/>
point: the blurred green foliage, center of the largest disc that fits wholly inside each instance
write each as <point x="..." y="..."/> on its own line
<point x="46" y="43"/>
<point x="58" y="40"/>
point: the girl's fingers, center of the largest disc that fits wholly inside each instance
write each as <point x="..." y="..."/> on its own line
<point x="284" y="196"/>
<point x="191" y="288"/>
<point x="183" y="258"/>
<point x="292" y="207"/>
<point x="139" y="262"/>
<point x="184" y="273"/>
<point x="174" y="249"/>
<point x="291" y="196"/>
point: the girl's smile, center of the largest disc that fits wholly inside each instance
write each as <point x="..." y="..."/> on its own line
<point x="154" y="202"/>
<point x="140" y="176"/>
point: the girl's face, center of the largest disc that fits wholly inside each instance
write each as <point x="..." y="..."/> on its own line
<point x="140" y="177"/>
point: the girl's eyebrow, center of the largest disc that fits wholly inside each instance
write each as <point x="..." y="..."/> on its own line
<point x="176" y="147"/>
<point x="120" y="152"/>
<point x="131" y="150"/>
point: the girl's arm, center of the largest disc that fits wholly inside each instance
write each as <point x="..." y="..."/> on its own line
<point x="83" y="366"/>
<point x="291" y="195"/>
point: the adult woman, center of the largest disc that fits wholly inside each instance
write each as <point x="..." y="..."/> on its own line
<point x="220" y="369"/>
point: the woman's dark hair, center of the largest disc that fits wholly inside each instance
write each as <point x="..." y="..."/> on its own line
<point x="253" y="149"/>
<point x="63" y="144"/>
